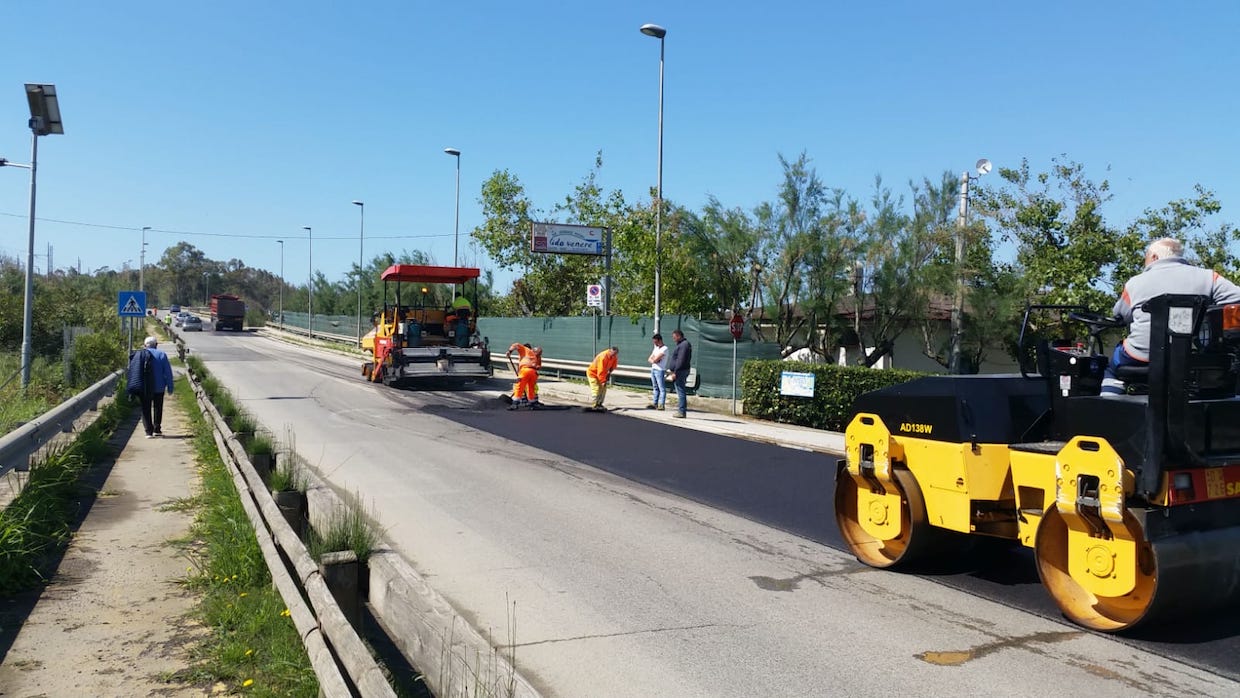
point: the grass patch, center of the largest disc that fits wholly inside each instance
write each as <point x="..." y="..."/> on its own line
<point x="253" y="646"/>
<point x="348" y="528"/>
<point x="288" y="475"/>
<point x="37" y="524"/>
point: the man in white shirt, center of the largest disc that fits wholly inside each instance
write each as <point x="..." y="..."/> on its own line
<point x="658" y="367"/>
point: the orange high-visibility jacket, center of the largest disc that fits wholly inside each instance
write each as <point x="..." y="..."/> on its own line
<point x="603" y="365"/>
<point x="528" y="358"/>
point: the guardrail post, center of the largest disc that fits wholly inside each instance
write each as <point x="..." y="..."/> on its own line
<point x="292" y="505"/>
<point x="342" y="573"/>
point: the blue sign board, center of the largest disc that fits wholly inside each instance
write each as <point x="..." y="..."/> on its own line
<point x="131" y="304"/>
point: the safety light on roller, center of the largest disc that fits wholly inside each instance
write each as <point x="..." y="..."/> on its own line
<point x="1231" y="318"/>
<point x="1182" y="485"/>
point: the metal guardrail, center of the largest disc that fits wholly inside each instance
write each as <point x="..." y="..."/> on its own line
<point x="294" y="329"/>
<point x="17" y="447"/>
<point x="637" y="373"/>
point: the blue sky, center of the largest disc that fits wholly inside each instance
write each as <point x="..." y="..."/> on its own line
<point x="255" y="119"/>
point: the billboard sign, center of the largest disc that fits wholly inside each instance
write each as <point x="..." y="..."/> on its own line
<point x="558" y="238"/>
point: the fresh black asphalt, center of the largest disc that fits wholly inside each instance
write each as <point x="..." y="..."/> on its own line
<point x="793" y="490"/>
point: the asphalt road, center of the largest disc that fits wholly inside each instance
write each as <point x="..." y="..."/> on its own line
<point x="576" y="528"/>
<point x="793" y="490"/>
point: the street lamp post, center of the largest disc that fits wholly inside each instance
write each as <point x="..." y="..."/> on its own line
<point x="659" y="33"/>
<point x="962" y="221"/>
<point x="281" y="318"/>
<point x="44" y="120"/>
<point x="142" y="261"/>
<point x="456" y="235"/>
<point x="206" y="289"/>
<point x="361" y="235"/>
<point x="310" y="284"/>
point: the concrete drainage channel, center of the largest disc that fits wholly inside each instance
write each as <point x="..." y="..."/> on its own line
<point x="327" y="600"/>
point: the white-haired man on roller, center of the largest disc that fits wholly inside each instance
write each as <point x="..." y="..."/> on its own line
<point x="1166" y="271"/>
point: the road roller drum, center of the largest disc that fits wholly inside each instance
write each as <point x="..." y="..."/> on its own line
<point x="1131" y="504"/>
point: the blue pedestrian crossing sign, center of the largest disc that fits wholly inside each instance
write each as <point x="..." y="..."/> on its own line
<point x="131" y="304"/>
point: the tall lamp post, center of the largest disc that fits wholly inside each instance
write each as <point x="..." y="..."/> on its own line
<point x="962" y="221"/>
<point x="456" y="235"/>
<point x="206" y="288"/>
<point x="310" y="284"/>
<point x="281" y="317"/>
<point x="361" y="235"/>
<point x="142" y="261"/>
<point x="659" y="33"/>
<point x="44" y="120"/>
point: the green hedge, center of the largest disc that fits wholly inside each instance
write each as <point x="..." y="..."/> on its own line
<point x="835" y="389"/>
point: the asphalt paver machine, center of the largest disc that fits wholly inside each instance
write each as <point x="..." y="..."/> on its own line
<point x="422" y="334"/>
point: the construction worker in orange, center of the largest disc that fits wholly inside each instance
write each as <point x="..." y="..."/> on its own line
<point x="599" y="371"/>
<point x="525" y="390"/>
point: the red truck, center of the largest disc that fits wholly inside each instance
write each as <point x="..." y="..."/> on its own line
<point x="227" y="312"/>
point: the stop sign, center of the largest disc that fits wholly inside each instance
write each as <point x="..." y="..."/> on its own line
<point x="737" y="325"/>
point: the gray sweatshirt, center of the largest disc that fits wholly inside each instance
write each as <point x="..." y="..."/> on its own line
<point x="1170" y="275"/>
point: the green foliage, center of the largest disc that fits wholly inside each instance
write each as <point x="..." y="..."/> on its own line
<point x="346" y="529"/>
<point x="835" y="390"/>
<point x="95" y="355"/>
<point x="261" y="445"/>
<point x="251" y="636"/>
<point x="1188" y="220"/>
<point x="38" y="522"/>
<point x="1066" y="250"/>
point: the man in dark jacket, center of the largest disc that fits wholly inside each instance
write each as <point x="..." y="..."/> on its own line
<point x="149" y="377"/>
<point x="678" y="367"/>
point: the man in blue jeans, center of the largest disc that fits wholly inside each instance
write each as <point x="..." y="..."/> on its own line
<point x="678" y="367"/>
<point x="658" y="369"/>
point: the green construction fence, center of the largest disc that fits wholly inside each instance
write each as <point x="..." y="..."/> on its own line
<point x="581" y="338"/>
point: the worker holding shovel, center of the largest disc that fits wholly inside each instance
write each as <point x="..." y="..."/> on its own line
<point x="525" y="390"/>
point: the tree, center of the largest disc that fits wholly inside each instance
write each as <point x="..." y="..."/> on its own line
<point x="721" y="247"/>
<point x="1067" y="252"/>
<point x="1186" y="220"/>
<point x="553" y="284"/>
<point x="794" y="243"/>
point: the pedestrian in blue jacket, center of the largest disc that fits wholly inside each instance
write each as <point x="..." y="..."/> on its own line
<point x="149" y="377"/>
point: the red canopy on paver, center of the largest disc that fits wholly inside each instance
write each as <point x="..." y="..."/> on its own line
<point x="418" y="273"/>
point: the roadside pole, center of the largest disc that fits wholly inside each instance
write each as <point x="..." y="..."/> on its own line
<point x="734" y="375"/>
<point x="736" y="324"/>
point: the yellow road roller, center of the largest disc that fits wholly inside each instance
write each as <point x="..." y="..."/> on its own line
<point x="1131" y="503"/>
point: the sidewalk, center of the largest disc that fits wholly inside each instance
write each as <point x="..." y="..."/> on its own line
<point x="705" y="414"/>
<point x="114" y="617"/>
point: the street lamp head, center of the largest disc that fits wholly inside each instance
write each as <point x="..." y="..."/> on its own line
<point x="359" y="203"/>
<point x="654" y="30"/>
<point x="305" y="228"/>
<point x="44" y="109"/>
<point x="983" y="167"/>
<point x="452" y="151"/>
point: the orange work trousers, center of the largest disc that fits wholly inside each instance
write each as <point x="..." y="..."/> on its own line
<point x="526" y="386"/>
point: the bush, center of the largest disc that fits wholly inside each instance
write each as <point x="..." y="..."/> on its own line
<point x="95" y="356"/>
<point x="835" y="390"/>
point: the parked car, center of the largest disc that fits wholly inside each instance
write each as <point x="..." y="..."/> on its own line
<point x="193" y="323"/>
